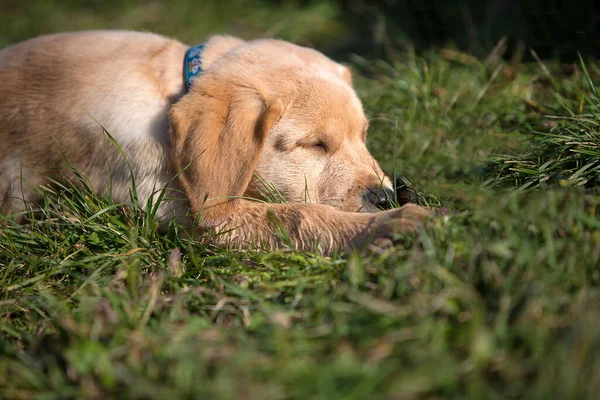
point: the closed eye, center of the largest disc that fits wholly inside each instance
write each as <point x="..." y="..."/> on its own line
<point x="314" y="144"/>
<point x="320" y="145"/>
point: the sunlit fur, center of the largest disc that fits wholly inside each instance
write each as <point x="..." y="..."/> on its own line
<point x="266" y="108"/>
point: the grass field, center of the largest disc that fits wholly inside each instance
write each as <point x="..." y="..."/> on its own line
<point x="498" y="299"/>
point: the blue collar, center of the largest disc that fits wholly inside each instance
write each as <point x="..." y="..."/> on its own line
<point x="192" y="65"/>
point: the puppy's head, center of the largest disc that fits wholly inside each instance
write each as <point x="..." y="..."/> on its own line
<point x="317" y="151"/>
<point x="272" y="112"/>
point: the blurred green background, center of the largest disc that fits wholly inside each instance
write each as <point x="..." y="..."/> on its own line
<point x="188" y="20"/>
<point x="554" y="28"/>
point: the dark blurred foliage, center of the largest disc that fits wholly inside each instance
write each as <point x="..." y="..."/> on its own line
<point x="553" y="28"/>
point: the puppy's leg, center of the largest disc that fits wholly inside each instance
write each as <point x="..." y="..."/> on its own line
<point x="19" y="191"/>
<point x="310" y="226"/>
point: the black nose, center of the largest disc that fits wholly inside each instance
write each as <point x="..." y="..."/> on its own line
<point x="380" y="197"/>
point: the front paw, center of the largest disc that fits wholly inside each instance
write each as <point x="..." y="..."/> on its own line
<point x="405" y="219"/>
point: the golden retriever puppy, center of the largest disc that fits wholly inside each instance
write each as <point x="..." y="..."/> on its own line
<point x="256" y="112"/>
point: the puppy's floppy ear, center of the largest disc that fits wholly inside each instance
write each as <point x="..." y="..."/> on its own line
<point x="217" y="133"/>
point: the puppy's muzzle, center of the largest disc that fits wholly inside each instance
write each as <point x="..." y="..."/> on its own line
<point x="380" y="197"/>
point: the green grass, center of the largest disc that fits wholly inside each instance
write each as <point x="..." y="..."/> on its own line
<point x="567" y="155"/>
<point x="498" y="299"/>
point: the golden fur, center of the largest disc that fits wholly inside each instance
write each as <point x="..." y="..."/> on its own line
<point x="265" y="108"/>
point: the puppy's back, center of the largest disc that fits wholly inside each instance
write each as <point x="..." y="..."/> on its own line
<point x="58" y="93"/>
